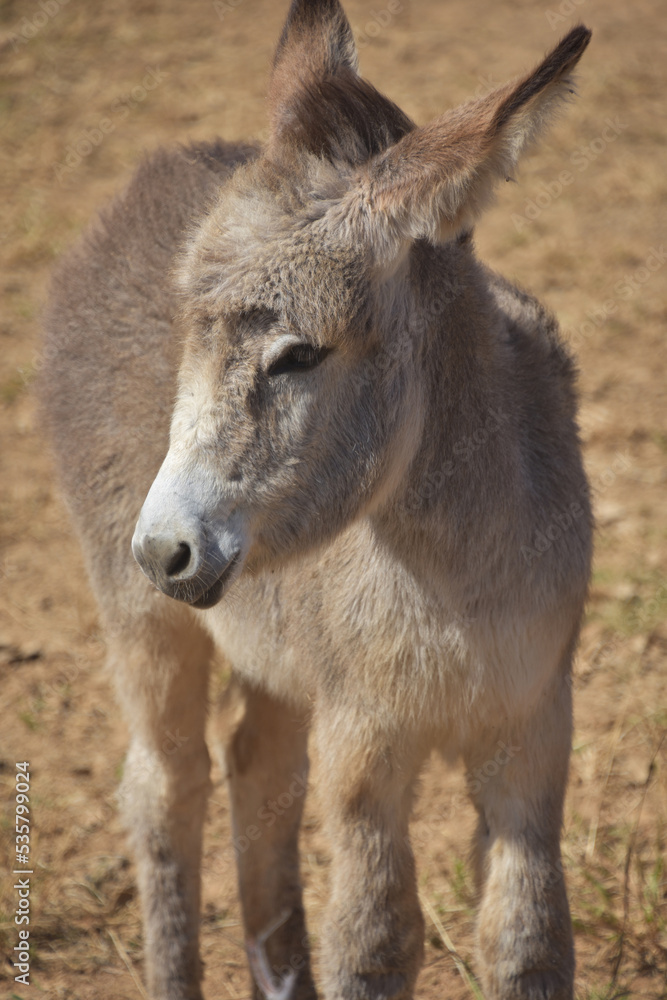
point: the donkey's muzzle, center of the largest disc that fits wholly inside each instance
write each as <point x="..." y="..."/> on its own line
<point x="185" y="565"/>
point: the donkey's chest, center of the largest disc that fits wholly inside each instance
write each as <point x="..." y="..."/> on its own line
<point x="366" y="629"/>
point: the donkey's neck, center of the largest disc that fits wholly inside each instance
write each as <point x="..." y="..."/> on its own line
<point x="467" y="465"/>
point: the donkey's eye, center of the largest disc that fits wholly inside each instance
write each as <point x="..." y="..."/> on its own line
<point x="299" y="358"/>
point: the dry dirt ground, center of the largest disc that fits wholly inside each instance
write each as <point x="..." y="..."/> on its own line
<point x="589" y="243"/>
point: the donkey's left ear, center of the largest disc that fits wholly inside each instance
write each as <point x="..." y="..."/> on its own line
<point x="435" y="181"/>
<point x="316" y="43"/>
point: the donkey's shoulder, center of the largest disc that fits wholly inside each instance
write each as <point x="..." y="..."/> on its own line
<point x="117" y="275"/>
<point x="168" y="192"/>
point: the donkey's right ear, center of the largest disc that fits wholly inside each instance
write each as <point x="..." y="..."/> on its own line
<point x="316" y="43"/>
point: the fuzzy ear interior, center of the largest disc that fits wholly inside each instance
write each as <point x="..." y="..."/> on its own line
<point x="317" y="100"/>
<point x="436" y="180"/>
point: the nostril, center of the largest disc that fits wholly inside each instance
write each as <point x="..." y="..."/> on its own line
<point x="180" y="560"/>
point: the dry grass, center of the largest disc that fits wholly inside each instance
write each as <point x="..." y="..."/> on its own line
<point x="588" y="248"/>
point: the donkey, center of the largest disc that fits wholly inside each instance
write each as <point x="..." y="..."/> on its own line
<point x="333" y="441"/>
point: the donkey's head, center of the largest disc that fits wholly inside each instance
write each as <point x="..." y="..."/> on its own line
<point x="300" y="402"/>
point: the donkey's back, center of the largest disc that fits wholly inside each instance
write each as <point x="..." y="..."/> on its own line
<point x="112" y="347"/>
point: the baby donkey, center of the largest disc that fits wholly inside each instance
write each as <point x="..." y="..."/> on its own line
<point x="330" y="436"/>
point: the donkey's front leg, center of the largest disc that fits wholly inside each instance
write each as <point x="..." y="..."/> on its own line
<point x="267" y="767"/>
<point x="161" y="673"/>
<point x="518" y="777"/>
<point x="373" y="929"/>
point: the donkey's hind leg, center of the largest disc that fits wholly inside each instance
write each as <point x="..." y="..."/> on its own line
<point x="525" y="949"/>
<point x="267" y="769"/>
<point x="160" y="663"/>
